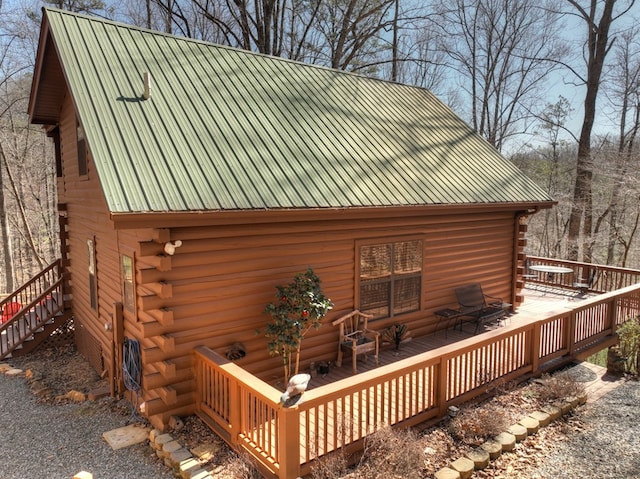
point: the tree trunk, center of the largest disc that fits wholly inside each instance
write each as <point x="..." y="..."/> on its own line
<point x="6" y="247"/>
<point x="581" y="218"/>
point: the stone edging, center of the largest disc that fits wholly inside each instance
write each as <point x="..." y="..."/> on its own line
<point x="179" y="459"/>
<point x="479" y="458"/>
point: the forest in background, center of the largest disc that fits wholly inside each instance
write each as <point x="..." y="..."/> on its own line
<point x="553" y="84"/>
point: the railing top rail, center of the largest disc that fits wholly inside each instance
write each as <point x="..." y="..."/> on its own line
<point x="14" y="294"/>
<point x="358" y="382"/>
<point x="26" y="308"/>
<point x="265" y="391"/>
<point x="601" y="267"/>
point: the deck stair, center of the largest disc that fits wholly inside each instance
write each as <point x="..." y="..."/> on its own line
<point x="32" y="313"/>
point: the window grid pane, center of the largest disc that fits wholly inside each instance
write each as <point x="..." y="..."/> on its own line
<point x="375" y="261"/>
<point x="407" y="256"/>
<point x="389" y="289"/>
<point x="375" y="298"/>
<point x="406" y="295"/>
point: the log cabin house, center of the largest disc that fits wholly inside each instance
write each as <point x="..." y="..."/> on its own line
<point x="193" y="178"/>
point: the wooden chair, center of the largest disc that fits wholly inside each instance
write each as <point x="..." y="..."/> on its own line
<point x="356" y="337"/>
<point x="477" y="306"/>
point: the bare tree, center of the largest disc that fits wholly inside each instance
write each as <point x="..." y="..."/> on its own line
<point x="554" y="155"/>
<point x="625" y="97"/>
<point x="502" y="52"/>
<point x="597" y="45"/>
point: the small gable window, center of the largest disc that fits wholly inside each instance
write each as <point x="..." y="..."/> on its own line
<point x="82" y="151"/>
<point x="390" y="277"/>
<point x="93" y="287"/>
<point x="128" y="283"/>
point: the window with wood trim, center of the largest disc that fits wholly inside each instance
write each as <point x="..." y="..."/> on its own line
<point x="390" y="277"/>
<point x="93" y="286"/>
<point x="128" y="286"/>
<point x="82" y="151"/>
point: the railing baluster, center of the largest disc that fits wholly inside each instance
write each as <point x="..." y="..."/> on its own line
<point x="408" y="391"/>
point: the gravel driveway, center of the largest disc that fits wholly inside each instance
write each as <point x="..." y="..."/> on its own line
<point x="58" y="441"/>
<point x="609" y="445"/>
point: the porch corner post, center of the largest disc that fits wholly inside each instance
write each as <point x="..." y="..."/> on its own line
<point x="235" y="406"/>
<point x="289" y="443"/>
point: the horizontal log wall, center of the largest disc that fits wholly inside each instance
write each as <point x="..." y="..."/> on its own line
<point x="87" y="218"/>
<point x="213" y="291"/>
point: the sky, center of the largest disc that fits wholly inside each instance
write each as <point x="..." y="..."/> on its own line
<point x="562" y="83"/>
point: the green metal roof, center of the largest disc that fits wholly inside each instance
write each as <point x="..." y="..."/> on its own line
<point x="228" y="129"/>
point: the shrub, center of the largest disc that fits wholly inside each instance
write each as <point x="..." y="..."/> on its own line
<point x="390" y="453"/>
<point x="558" y="386"/>
<point x="475" y="424"/>
<point x="629" y="334"/>
<point x="331" y="466"/>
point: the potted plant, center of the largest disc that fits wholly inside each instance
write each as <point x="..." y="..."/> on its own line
<point x="395" y="334"/>
<point x="299" y="307"/>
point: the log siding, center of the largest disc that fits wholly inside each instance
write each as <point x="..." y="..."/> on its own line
<point x="213" y="290"/>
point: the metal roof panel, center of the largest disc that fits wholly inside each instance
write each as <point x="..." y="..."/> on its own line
<point x="228" y="129"/>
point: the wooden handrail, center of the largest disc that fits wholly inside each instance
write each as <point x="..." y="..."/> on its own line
<point x="404" y="393"/>
<point x="609" y="278"/>
<point x="39" y="299"/>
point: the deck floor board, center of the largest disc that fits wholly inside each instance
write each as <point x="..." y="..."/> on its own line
<point x="537" y="301"/>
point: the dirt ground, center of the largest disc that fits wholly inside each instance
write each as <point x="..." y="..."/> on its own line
<point x="54" y="372"/>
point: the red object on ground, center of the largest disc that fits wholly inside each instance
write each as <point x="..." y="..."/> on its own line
<point x="10" y="310"/>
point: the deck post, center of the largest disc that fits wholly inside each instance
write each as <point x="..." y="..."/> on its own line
<point x="535" y="348"/>
<point x="236" y="405"/>
<point x="441" y="381"/>
<point x="289" y="443"/>
<point x="571" y="333"/>
<point x="612" y="313"/>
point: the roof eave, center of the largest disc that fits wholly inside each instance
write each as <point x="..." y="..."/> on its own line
<point x="176" y="219"/>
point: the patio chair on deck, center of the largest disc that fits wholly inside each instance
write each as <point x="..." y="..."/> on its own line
<point x="528" y="274"/>
<point x="477" y="306"/>
<point x="356" y="337"/>
<point x="583" y="285"/>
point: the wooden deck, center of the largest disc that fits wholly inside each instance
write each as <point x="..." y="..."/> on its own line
<point x="538" y="300"/>
<point x="416" y="384"/>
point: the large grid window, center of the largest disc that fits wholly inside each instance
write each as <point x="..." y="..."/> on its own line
<point x="390" y="278"/>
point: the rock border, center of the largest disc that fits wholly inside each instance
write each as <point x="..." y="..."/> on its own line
<point x="176" y="457"/>
<point x="464" y="466"/>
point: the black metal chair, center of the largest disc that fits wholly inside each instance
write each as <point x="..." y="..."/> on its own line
<point x="583" y="285"/>
<point x="477" y="306"/>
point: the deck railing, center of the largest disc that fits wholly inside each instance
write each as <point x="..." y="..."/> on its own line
<point x="608" y="278"/>
<point x="26" y="309"/>
<point x="285" y="442"/>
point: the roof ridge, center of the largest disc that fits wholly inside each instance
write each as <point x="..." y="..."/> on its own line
<point x="337" y="71"/>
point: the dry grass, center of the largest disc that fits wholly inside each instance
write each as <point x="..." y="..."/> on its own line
<point x="475" y="424"/>
<point x="557" y="387"/>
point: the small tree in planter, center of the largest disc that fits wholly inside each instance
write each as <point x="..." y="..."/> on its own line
<point x="300" y="307"/>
